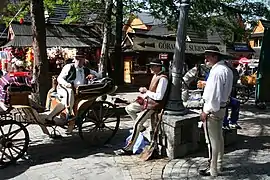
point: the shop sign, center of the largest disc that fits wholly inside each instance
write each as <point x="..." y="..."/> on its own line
<point x="163" y="56"/>
<point x="151" y="44"/>
<point x="241" y="47"/>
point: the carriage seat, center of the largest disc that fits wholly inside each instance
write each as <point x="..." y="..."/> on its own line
<point x="98" y="87"/>
<point x="19" y="88"/>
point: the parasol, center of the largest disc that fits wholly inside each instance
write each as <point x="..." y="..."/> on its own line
<point x="244" y="60"/>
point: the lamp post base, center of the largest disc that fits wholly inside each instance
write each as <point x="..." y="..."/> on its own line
<point x="175" y="108"/>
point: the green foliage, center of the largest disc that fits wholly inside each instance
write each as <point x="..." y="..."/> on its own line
<point x="219" y="15"/>
<point x="13" y="8"/>
<point x="80" y="11"/>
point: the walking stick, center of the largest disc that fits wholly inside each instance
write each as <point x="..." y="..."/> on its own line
<point x="148" y="150"/>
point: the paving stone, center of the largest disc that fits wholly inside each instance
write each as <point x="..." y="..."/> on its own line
<point x="68" y="158"/>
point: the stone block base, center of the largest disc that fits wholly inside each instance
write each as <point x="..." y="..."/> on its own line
<point x="179" y="135"/>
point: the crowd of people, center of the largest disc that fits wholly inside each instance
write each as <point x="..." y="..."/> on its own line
<point x="217" y="95"/>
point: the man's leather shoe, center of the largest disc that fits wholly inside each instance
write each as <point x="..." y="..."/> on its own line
<point x="235" y="126"/>
<point x="205" y="172"/>
<point x="123" y="152"/>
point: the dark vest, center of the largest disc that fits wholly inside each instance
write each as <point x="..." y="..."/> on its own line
<point x="72" y="74"/>
<point x="153" y="104"/>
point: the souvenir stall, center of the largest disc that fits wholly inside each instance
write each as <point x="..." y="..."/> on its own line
<point x="140" y="49"/>
<point x="58" y="57"/>
<point x="24" y="54"/>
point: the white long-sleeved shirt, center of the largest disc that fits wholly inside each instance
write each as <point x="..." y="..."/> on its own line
<point x="160" y="91"/>
<point x="79" y="80"/>
<point x="218" y="87"/>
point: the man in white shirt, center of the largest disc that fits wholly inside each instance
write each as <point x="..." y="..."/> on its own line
<point x="72" y="76"/>
<point x="216" y="95"/>
<point x="149" y="101"/>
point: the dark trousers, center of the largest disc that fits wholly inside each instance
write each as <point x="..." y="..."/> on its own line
<point x="235" y="108"/>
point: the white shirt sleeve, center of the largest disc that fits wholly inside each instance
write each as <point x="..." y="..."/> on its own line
<point x="160" y="91"/>
<point x="61" y="78"/>
<point x="212" y="94"/>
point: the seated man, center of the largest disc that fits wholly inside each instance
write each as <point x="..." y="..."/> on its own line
<point x="149" y="101"/>
<point x="15" y="80"/>
<point x="72" y="76"/>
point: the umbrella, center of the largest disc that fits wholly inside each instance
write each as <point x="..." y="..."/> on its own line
<point x="244" y="60"/>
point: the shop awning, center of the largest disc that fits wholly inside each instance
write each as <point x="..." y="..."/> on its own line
<point x="56" y="35"/>
<point x="26" y="41"/>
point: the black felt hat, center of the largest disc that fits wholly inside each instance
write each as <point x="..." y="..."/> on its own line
<point x="155" y="62"/>
<point x="80" y="53"/>
<point x="212" y="50"/>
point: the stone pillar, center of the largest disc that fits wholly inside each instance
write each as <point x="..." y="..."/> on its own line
<point x="181" y="134"/>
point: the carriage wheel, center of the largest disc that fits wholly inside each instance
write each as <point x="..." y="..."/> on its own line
<point x="99" y="123"/>
<point x="14" y="141"/>
<point x="243" y="94"/>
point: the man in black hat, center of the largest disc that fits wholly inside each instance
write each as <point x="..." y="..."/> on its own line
<point x="149" y="101"/>
<point x="216" y="95"/>
<point x="72" y="76"/>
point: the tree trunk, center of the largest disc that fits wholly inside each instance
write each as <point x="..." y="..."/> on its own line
<point x="40" y="66"/>
<point x="106" y="34"/>
<point x="118" y="59"/>
<point x="3" y="4"/>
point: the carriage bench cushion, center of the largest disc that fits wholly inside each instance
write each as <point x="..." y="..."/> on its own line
<point x="93" y="88"/>
<point x="19" y="88"/>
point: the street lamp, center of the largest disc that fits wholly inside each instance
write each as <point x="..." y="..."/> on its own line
<point x="175" y="105"/>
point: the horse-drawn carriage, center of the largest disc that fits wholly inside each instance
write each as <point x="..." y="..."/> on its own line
<point x="93" y="118"/>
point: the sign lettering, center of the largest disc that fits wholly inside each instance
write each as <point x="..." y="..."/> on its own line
<point x="169" y="46"/>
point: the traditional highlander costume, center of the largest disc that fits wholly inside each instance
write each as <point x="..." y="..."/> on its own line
<point x="216" y="95"/>
<point x="72" y="76"/>
<point x="147" y="103"/>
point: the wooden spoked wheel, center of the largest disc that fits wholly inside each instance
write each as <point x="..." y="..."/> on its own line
<point x="99" y="123"/>
<point x="14" y="141"/>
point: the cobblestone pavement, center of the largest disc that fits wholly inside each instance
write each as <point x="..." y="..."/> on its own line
<point x="248" y="159"/>
<point x="69" y="158"/>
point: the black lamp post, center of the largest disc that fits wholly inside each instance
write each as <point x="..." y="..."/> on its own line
<point x="175" y="105"/>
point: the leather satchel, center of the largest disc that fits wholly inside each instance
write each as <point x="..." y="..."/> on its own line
<point x="151" y="104"/>
<point x="140" y="100"/>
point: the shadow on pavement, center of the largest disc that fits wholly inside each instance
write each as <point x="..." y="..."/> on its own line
<point x="59" y="149"/>
<point x="248" y="170"/>
<point x="251" y="107"/>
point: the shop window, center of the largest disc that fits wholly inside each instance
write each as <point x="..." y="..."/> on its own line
<point x="257" y="42"/>
<point x="260" y="42"/>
